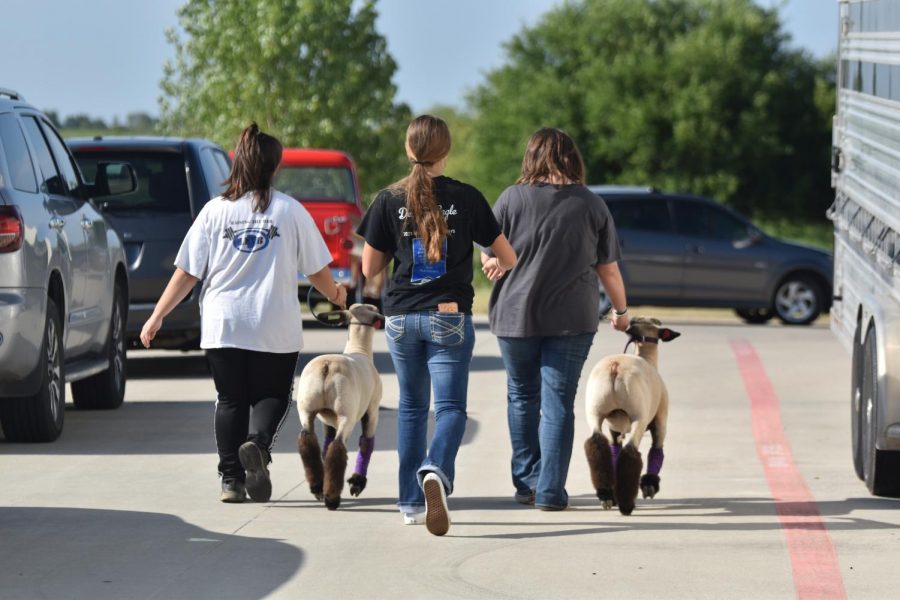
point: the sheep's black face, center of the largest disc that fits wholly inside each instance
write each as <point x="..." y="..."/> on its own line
<point x="649" y="327"/>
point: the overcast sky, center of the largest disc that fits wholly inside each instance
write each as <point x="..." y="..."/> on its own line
<point x="105" y="57"/>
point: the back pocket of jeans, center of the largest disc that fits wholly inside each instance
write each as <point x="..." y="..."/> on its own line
<point x="448" y="329"/>
<point x="396" y="325"/>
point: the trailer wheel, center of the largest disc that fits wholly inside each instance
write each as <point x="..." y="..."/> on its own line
<point x="856" y="430"/>
<point x="881" y="468"/>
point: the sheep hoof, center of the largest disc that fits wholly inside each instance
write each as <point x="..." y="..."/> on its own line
<point x="649" y="485"/>
<point x="357" y="484"/>
<point x="316" y="491"/>
<point x="605" y="496"/>
<point x="332" y="503"/>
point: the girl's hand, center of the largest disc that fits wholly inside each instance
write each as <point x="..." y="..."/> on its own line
<point x="492" y="269"/>
<point x="148" y="332"/>
<point x="620" y="322"/>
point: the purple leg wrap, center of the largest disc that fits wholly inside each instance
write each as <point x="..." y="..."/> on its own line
<point x="366" y="446"/>
<point x="655" y="461"/>
<point x="615" y="453"/>
<point x="328" y="440"/>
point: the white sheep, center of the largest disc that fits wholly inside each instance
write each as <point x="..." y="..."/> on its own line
<point x="341" y="389"/>
<point x="627" y="392"/>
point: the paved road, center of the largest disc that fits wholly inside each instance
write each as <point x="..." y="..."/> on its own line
<point x="125" y="505"/>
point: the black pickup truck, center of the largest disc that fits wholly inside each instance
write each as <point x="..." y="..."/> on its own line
<point x="175" y="178"/>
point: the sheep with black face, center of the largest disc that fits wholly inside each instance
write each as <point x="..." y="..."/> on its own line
<point x="627" y="392"/>
<point x="341" y="390"/>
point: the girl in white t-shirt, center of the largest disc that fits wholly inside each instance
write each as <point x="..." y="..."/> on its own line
<point x="247" y="247"/>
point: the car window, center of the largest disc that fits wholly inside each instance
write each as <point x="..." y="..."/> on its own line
<point x="698" y="219"/>
<point x="212" y="170"/>
<point x="161" y="179"/>
<point x="725" y="226"/>
<point x="50" y="180"/>
<point x="18" y="160"/>
<point x="316" y="184"/>
<point x="63" y="160"/>
<point x="645" y="214"/>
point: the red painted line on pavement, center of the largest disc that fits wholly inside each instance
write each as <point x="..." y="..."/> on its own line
<point x="813" y="558"/>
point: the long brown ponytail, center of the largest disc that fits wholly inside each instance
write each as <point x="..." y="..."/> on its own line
<point x="427" y="142"/>
<point x="256" y="158"/>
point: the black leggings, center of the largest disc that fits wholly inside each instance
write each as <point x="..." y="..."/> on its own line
<point x="254" y="397"/>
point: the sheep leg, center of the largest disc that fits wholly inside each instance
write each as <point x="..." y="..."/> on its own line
<point x="308" y="446"/>
<point x="329" y="437"/>
<point x="358" y="480"/>
<point x="599" y="458"/>
<point x="336" y="466"/>
<point x="650" y="480"/>
<point x="628" y="470"/>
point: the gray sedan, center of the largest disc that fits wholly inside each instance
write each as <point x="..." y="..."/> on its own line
<point x="683" y="250"/>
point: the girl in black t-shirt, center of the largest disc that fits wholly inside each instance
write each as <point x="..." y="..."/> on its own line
<point x="427" y="224"/>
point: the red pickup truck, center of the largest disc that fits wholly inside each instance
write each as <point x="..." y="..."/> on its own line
<point x="325" y="182"/>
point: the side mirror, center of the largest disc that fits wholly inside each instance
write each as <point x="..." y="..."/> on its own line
<point x="113" y="179"/>
<point x="754" y="236"/>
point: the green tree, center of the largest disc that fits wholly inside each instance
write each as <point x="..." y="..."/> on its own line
<point x="314" y="73"/>
<point x="698" y="96"/>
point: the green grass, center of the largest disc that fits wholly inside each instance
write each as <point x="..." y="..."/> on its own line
<point x="819" y="233"/>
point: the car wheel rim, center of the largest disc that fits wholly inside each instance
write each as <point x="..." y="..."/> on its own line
<point x="118" y="341"/>
<point x="795" y="301"/>
<point x="54" y="371"/>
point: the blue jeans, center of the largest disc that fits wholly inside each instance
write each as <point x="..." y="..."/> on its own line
<point x="429" y="348"/>
<point x="542" y="379"/>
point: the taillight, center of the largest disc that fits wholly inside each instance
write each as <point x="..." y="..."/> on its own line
<point x="11" y="229"/>
<point x="332" y="225"/>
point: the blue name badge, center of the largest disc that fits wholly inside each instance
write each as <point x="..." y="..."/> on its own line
<point x="424" y="271"/>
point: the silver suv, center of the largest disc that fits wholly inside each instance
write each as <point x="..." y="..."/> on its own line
<point x="63" y="281"/>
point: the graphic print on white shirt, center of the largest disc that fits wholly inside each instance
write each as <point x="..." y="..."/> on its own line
<point x="249" y="264"/>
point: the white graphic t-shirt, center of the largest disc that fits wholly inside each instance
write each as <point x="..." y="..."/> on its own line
<point x="248" y="263"/>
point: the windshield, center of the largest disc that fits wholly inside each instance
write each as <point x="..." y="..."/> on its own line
<point x="161" y="180"/>
<point x="316" y="184"/>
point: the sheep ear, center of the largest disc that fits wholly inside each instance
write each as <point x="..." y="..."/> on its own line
<point x="667" y="335"/>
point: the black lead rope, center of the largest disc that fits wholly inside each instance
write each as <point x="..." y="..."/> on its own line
<point x="643" y="339"/>
<point x="336" y="317"/>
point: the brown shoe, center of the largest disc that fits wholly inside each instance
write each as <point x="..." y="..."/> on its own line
<point x="437" y="517"/>
<point x="255" y="461"/>
<point x="233" y="491"/>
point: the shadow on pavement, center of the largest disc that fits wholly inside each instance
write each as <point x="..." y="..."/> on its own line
<point x="585" y="516"/>
<point x="85" y="553"/>
<point x="186" y="427"/>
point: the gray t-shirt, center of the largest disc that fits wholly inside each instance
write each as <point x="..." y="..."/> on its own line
<point x="560" y="234"/>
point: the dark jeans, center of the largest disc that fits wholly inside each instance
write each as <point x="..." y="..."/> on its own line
<point x="542" y="378"/>
<point x="254" y="397"/>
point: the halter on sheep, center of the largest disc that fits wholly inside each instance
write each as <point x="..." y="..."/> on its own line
<point x="626" y="391"/>
<point x="340" y="389"/>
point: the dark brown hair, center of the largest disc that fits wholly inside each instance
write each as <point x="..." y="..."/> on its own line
<point x="427" y="142"/>
<point x="551" y="152"/>
<point x="256" y="158"/>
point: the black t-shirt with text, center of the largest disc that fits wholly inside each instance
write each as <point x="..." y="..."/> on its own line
<point x="417" y="284"/>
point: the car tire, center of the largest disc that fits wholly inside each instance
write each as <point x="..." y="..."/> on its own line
<point x="754" y="316"/>
<point x="881" y="468"/>
<point x="106" y="390"/>
<point x="798" y="300"/>
<point x="40" y="418"/>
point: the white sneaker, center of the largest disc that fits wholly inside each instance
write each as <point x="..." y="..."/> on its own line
<point x="417" y="518"/>
<point x="437" y="517"/>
